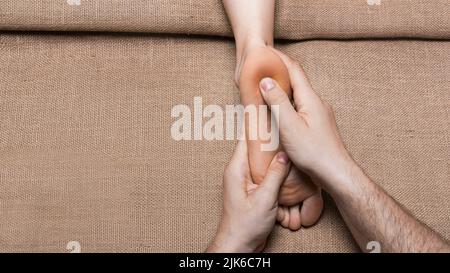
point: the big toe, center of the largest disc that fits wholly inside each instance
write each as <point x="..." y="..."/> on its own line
<point x="312" y="209"/>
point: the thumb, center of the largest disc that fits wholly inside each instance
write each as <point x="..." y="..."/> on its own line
<point x="275" y="176"/>
<point x="279" y="103"/>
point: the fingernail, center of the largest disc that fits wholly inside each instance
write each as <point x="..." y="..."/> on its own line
<point x="283" y="158"/>
<point x="267" y="84"/>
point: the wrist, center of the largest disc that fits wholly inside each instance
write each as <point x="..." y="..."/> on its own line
<point x="226" y="242"/>
<point x="335" y="175"/>
<point x="347" y="181"/>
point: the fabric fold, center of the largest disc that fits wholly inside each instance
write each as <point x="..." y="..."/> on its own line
<point x="295" y="20"/>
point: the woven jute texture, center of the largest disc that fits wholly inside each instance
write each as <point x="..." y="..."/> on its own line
<point x="86" y="152"/>
<point x="295" y="19"/>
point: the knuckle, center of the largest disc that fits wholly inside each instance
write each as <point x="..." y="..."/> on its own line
<point x="296" y="86"/>
<point x="228" y="169"/>
<point x="297" y="65"/>
<point x="277" y="170"/>
<point x="278" y="97"/>
<point x="327" y="106"/>
<point x="330" y="109"/>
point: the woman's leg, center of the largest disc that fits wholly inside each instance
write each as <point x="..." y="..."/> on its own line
<point x="252" y="22"/>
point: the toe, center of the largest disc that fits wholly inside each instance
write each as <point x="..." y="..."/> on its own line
<point x="312" y="209"/>
<point x="285" y="221"/>
<point x="294" y="218"/>
<point x="280" y="214"/>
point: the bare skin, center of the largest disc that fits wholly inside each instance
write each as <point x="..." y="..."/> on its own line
<point x="381" y="218"/>
<point x="311" y="139"/>
<point x="253" y="22"/>
<point x="247" y="204"/>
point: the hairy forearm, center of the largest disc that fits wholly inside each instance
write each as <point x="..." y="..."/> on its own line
<point x="372" y="215"/>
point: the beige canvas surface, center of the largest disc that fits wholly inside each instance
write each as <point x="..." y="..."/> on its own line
<point x="295" y="19"/>
<point x="87" y="155"/>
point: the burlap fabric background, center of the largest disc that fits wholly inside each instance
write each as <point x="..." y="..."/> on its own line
<point x="295" y="19"/>
<point x="85" y="148"/>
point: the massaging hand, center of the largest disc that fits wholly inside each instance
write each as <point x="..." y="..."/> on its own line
<point x="249" y="210"/>
<point x="308" y="132"/>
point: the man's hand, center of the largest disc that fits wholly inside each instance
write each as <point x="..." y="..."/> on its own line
<point x="308" y="132"/>
<point x="310" y="137"/>
<point x="249" y="210"/>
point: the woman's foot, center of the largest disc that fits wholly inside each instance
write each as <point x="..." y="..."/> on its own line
<point x="305" y="214"/>
<point x="302" y="199"/>
<point x="301" y="202"/>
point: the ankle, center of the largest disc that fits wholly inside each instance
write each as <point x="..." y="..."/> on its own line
<point x="243" y="48"/>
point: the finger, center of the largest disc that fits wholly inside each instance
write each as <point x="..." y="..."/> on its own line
<point x="239" y="156"/>
<point x="236" y="171"/>
<point x="279" y="103"/>
<point x="312" y="209"/>
<point x="294" y="218"/>
<point x="275" y="176"/>
<point x="303" y="93"/>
